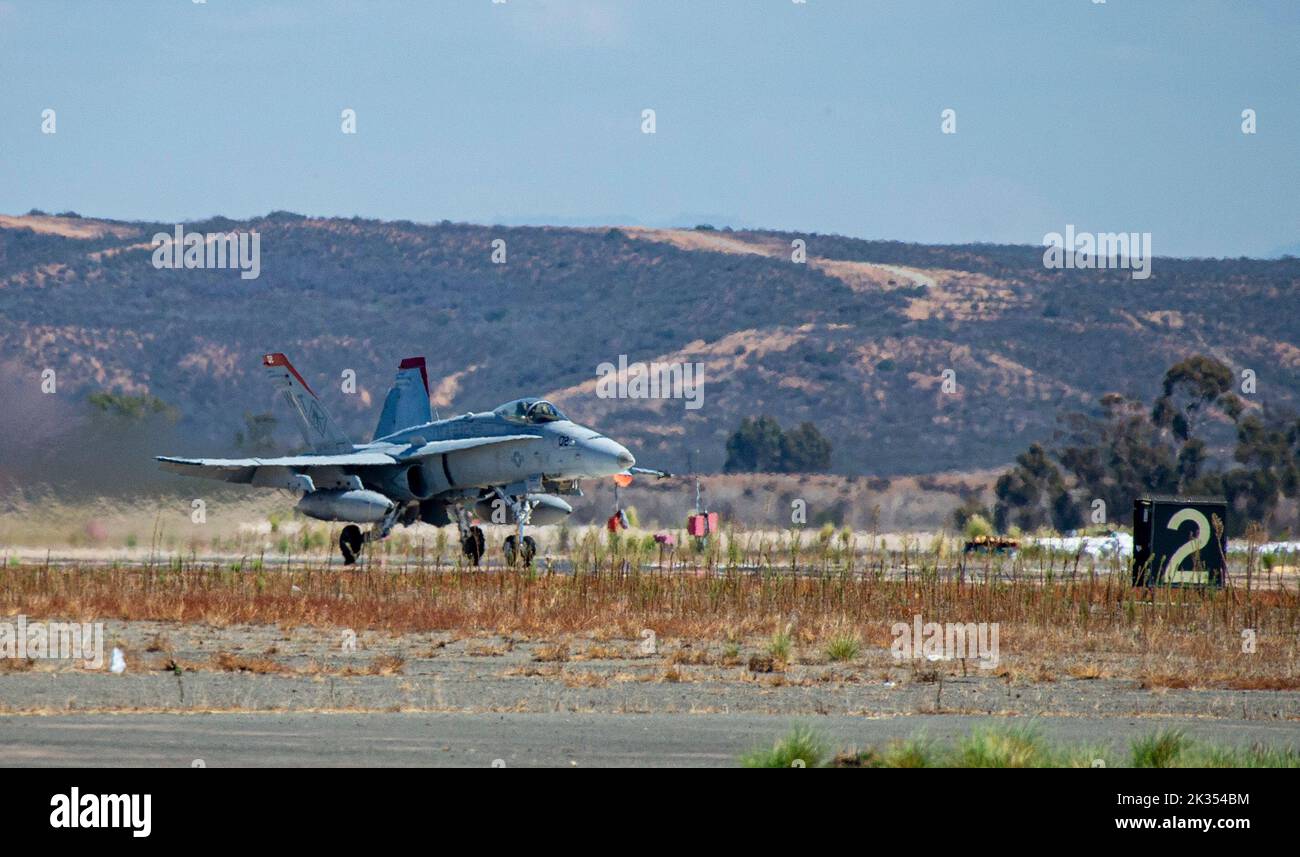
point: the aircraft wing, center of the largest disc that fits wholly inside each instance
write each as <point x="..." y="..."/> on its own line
<point x="286" y="471"/>
<point x="294" y="472"/>
<point x="345" y="459"/>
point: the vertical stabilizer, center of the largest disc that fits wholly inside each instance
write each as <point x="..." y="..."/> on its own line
<point x="407" y="402"/>
<point x="321" y="433"/>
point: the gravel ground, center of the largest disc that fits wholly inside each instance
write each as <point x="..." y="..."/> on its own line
<point x="261" y="668"/>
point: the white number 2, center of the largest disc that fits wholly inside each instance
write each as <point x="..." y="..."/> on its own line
<point x="1194" y="545"/>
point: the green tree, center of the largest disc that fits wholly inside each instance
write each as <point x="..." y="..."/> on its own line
<point x="805" y="450"/>
<point x="1268" y="447"/>
<point x="755" y="447"/>
<point x="1119" y="455"/>
<point x="258" y="433"/>
<point x="129" y="408"/>
<point x="1033" y="494"/>
<point x="760" y="446"/>
<point x="1191" y="387"/>
<point x="1174" y="447"/>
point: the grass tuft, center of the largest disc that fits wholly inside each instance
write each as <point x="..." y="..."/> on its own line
<point x="801" y="747"/>
<point x="1021" y="747"/>
<point x="1018" y="747"/>
<point x="843" y="648"/>
<point x="1159" y="750"/>
<point x="779" y="646"/>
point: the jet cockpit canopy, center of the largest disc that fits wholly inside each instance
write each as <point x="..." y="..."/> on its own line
<point x="529" y="411"/>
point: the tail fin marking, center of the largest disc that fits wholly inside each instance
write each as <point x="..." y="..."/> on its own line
<point x="320" y="432"/>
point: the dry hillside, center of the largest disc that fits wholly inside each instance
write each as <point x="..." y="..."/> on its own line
<point x="855" y="340"/>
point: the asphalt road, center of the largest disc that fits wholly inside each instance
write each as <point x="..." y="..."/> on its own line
<point x="517" y="740"/>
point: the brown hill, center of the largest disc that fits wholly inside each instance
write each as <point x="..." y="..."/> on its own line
<point x="855" y="340"/>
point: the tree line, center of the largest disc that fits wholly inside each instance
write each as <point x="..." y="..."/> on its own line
<point x="1198" y="437"/>
<point x="760" y="445"/>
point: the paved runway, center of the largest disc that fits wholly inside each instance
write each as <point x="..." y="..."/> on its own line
<point x="517" y="740"/>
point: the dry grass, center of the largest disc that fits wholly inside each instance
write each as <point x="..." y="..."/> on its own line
<point x="690" y="656"/>
<point x="1086" y="671"/>
<point x="1058" y="623"/>
<point x="17" y="665"/>
<point x="386" y="665"/>
<point x="585" y="679"/>
<point x="673" y="675"/>
<point x="556" y="653"/>
<point x="601" y="653"/>
<point x="1182" y="681"/>
<point x="532" y="671"/>
<point x="227" y="662"/>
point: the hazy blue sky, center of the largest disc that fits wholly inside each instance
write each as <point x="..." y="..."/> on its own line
<point x="824" y="116"/>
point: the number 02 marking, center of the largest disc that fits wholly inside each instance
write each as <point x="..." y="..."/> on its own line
<point x="1194" y="545"/>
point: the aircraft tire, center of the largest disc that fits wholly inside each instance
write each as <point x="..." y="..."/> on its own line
<point x="515" y="553"/>
<point x="350" y="541"/>
<point x="474" y="545"/>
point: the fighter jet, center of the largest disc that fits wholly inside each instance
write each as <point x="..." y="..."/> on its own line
<point x="513" y="464"/>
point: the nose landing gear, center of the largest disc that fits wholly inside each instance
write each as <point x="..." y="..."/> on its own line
<point x="519" y="548"/>
<point x="513" y="552"/>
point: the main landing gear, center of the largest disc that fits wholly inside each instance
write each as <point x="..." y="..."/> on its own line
<point x="519" y="550"/>
<point x="473" y="544"/>
<point x="352" y="540"/>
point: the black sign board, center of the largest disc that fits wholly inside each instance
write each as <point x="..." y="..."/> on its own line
<point x="1179" y="541"/>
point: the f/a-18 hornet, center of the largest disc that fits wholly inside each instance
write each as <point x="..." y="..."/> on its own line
<point x="510" y="465"/>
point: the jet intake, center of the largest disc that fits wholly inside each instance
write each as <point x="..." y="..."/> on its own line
<point x="416" y="483"/>
<point x="360" y="507"/>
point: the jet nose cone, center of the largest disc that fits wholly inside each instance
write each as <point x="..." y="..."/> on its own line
<point x="607" y="457"/>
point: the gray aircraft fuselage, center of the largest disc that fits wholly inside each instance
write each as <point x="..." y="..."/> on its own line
<point x="556" y="450"/>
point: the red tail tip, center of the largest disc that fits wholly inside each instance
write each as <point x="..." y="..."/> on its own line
<point x="278" y="359"/>
<point x="416" y="363"/>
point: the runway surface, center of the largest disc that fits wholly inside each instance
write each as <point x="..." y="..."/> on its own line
<point x="518" y="740"/>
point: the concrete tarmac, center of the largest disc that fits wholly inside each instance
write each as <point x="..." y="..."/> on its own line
<point x="522" y="740"/>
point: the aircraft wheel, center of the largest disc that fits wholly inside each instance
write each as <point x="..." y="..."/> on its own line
<point x="350" y="542"/>
<point x="514" y="553"/>
<point x="474" y="545"/>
